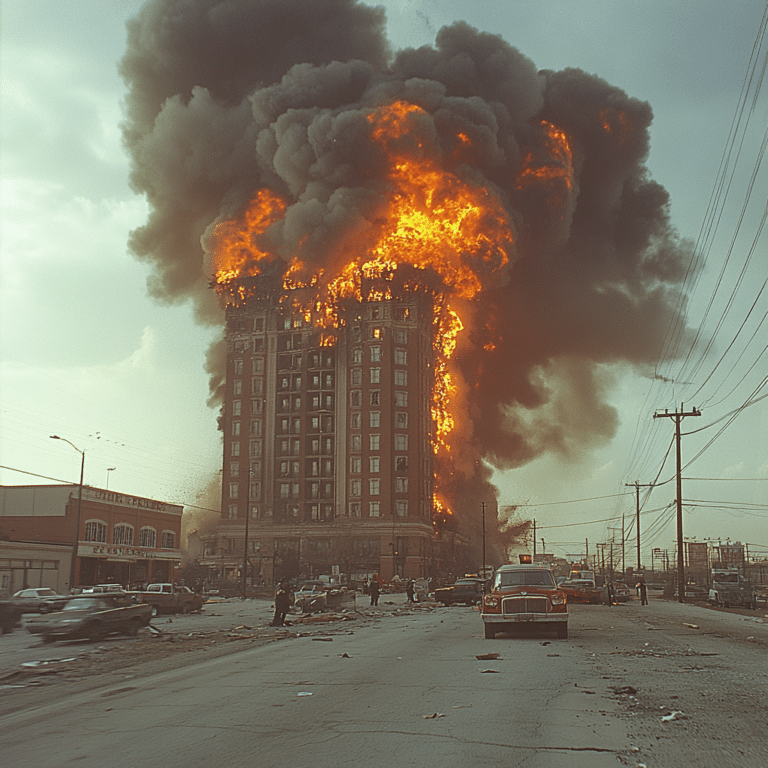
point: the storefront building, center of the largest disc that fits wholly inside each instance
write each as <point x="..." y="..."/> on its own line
<point x="122" y="539"/>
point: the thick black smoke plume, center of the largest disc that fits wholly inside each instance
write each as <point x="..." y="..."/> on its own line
<point x="227" y="97"/>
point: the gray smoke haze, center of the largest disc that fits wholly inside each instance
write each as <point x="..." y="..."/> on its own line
<point x="227" y="97"/>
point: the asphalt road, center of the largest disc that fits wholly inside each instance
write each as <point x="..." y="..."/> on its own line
<point x="406" y="689"/>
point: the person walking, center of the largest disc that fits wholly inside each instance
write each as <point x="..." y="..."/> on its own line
<point x="409" y="588"/>
<point x="282" y="604"/>
<point x="643" y="593"/>
<point x="373" y="588"/>
<point x="611" y="593"/>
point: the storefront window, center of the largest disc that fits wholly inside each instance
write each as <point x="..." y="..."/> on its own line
<point x="122" y="535"/>
<point x="169" y="540"/>
<point x="148" y="537"/>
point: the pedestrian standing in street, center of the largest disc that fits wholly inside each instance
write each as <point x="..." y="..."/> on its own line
<point x="373" y="588"/>
<point x="611" y="593"/>
<point x="409" y="587"/>
<point x="282" y="604"/>
<point x="643" y="593"/>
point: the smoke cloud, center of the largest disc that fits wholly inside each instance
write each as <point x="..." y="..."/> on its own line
<point x="228" y="97"/>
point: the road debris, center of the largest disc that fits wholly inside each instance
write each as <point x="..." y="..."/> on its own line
<point x="487" y="656"/>
<point x="305" y="693"/>
<point x="490" y="671"/>
<point x="433" y="717"/>
<point x="345" y="656"/>
<point x="692" y="626"/>
<point x="676" y="715"/>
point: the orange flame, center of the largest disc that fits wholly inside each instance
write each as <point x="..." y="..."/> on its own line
<point x="556" y="163"/>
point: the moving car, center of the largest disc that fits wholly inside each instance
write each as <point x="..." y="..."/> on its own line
<point x="467" y="591"/>
<point x="524" y="595"/>
<point x="622" y="592"/>
<point x="92" y="616"/>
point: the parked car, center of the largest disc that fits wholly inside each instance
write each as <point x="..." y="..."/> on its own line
<point x="467" y="591"/>
<point x="92" y="616"/>
<point x="583" y="591"/>
<point x="524" y="595"/>
<point x="11" y="611"/>
<point x="311" y="597"/>
<point x="170" y="598"/>
<point x="40" y="599"/>
<point x="622" y="592"/>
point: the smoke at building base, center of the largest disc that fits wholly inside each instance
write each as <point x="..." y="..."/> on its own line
<point x="283" y="127"/>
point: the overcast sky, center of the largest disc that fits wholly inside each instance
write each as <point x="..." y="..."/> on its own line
<point x="87" y="355"/>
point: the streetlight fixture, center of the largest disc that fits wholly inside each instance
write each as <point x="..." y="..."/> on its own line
<point x="76" y="541"/>
<point x="109" y="469"/>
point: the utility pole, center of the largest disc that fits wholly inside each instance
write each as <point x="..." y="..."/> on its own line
<point x="677" y="417"/>
<point x="482" y="504"/>
<point x="534" y="541"/>
<point x="637" y="488"/>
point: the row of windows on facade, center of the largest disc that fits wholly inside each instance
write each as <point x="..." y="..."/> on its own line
<point x="359" y="548"/>
<point x="122" y="535"/>
<point x="317" y="490"/>
<point x="320" y="512"/>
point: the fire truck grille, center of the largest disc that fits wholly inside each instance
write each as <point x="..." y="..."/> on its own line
<point x="524" y="605"/>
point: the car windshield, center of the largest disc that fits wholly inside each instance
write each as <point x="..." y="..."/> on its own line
<point x="524" y="578"/>
<point x="84" y="604"/>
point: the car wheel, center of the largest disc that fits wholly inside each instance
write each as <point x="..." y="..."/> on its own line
<point x="562" y="631"/>
<point x="186" y="608"/>
<point x="96" y="632"/>
<point x="133" y="627"/>
<point x="490" y="632"/>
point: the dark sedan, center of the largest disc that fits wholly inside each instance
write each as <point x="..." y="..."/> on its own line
<point x="92" y="616"/>
<point x="467" y="591"/>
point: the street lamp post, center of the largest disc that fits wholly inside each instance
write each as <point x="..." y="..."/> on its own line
<point x="76" y="542"/>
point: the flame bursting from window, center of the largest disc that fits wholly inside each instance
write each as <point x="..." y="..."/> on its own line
<point x="453" y="233"/>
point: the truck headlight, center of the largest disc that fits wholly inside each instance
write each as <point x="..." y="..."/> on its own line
<point x="491" y="602"/>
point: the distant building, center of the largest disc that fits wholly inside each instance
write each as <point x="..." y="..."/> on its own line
<point x="123" y="539"/>
<point x="328" y="444"/>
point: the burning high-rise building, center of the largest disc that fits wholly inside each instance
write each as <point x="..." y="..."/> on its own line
<point x="320" y="177"/>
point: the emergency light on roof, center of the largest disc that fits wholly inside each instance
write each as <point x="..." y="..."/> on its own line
<point x="525" y="559"/>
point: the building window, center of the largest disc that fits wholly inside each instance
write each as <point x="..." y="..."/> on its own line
<point x="95" y="530"/>
<point x="374" y="441"/>
<point x="373" y="509"/>
<point x="235" y="428"/>
<point x="122" y="535"/>
<point x="232" y="511"/>
<point x="355" y="488"/>
<point x="255" y="448"/>
<point x="234" y="449"/>
<point x="373" y="486"/>
<point x="401" y="463"/>
<point x="255" y="469"/>
<point x="254" y="490"/>
<point x="355" y="421"/>
<point x="401" y="377"/>
<point x="374" y="462"/>
<point x="148" y="537"/>
<point x="236" y="407"/>
<point x="285" y="490"/>
<point x="375" y="333"/>
<point x="257" y="386"/>
<point x="168" y="540"/>
<point x="357" y="356"/>
<point x="401" y="399"/>
<point x="255" y="516"/>
<point x="294" y="490"/>
<point x="375" y="375"/>
<point x="401" y="485"/>
<point x="401" y="508"/>
<point x="256" y="427"/>
<point x="401" y="442"/>
<point x="401" y="356"/>
<point x="254" y="545"/>
<point x="354" y="509"/>
<point x="375" y="353"/>
<point x="356" y="443"/>
<point x="233" y="490"/>
<point x="234" y="469"/>
<point x="257" y="406"/>
<point x="328" y="380"/>
<point x="355" y="398"/>
<point x="374" y="419"/>
<point x="375" y="397"/>
<point x="401" y="336"/>
<point x="238" y="367"/>
<point x="237" y="388"/>
<point x="355" y="377"/>
<point x="401" y="420"/>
